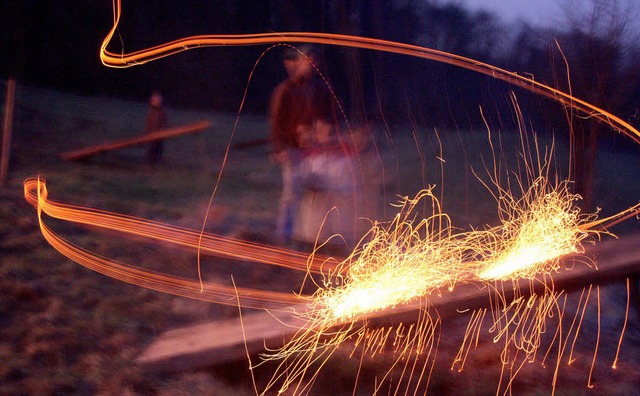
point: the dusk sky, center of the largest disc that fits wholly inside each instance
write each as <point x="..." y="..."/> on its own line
<point x="541" y="12"/>
<point x="512" y="10"/>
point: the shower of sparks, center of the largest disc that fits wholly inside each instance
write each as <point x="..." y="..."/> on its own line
<point x="530" y="242"/>
<point x="396" y="264"/>
<point x="401" y="264"/>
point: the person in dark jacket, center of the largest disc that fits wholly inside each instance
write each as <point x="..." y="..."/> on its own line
<point x="156" y="120"/>
<point x="295" y="105"/>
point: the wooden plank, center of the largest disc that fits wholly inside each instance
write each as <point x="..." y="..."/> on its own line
<point x="218" y="341"/>
<point x="138" y="140"/>
<point x="224" y="341"/>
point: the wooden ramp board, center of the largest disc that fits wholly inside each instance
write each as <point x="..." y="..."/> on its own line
<point x="223" y="341"/>
<point x="218" y="341"/>
<point x="138" y="140"/>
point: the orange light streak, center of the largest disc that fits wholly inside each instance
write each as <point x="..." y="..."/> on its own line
<point x="36" y="193"/>
<point x="122" y="59"/>
<point x="575" y="338"/>
<point x="624" y="326"/>
<point x="595" y="350"/>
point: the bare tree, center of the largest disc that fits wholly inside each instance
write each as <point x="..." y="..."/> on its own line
<point x="596" y="46"/>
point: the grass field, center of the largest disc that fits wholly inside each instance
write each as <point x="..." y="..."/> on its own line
<point x="67" y="330"/>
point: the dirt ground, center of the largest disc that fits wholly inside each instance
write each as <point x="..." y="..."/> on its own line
<point x="67" y="330"/>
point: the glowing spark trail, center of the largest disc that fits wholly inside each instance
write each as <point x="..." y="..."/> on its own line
<point x="36" y="193"/>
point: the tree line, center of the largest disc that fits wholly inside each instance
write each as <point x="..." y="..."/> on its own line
<point x="592" y="53"/>
<point x="56" y="44"/>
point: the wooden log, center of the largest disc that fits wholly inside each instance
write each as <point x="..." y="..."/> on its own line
<point x="224" y="341"/>
<point x="6" y="130"/>
<point x="135" y="141"/>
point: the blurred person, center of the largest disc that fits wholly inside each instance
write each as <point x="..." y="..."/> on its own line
<point x="156" y="120"/>
<point x="326" y="206"/>
<point x="296" y="103"/>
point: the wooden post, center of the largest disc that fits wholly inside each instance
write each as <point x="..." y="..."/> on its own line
<point x="6" y="130"/>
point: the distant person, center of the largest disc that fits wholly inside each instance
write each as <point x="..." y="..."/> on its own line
<point x="295" y="105"/>
<point x="156" y="120"/>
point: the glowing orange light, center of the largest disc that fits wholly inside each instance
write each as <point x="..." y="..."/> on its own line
<point x="36" y="193"/>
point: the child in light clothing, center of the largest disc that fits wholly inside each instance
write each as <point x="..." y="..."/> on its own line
<point x="327" y="205"/>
